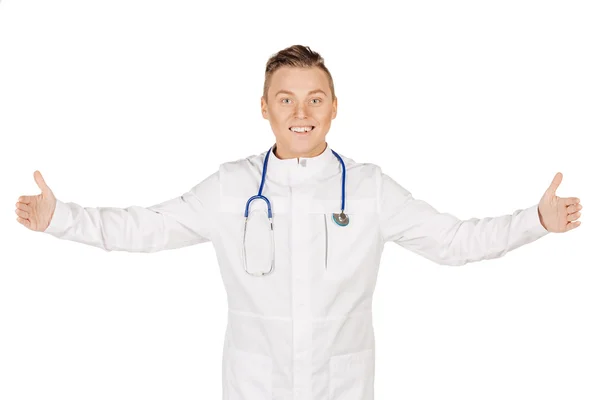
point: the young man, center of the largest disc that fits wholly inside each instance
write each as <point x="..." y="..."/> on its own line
<point x="299" y="285"/>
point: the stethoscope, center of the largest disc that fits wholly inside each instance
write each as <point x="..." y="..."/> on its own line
<point x="340" y="219"/>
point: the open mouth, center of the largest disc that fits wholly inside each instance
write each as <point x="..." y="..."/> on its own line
<point x="302" y="129"/>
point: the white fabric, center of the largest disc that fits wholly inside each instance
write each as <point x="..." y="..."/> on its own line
<point x="304" y="331"/>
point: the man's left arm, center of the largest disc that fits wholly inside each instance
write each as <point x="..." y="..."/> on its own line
<point x="443" y="238"/>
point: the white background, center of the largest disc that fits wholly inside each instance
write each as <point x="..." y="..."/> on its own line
<point x="472" y="106"/>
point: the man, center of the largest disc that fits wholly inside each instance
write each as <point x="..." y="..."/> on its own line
<point x="299" y="285"/>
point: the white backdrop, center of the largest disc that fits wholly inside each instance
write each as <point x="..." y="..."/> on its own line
<point x="472" y="106"/>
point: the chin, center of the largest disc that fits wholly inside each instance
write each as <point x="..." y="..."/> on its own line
<point x="304" y="142"/>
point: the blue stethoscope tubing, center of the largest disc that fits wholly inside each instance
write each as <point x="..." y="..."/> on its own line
<point x="341" y="219"/>
<point x="262" y="184"/>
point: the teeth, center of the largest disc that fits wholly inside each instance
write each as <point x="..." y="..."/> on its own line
<point x="301" y="128"/>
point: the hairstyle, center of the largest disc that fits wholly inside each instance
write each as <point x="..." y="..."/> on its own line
<point x="295" y="56"/>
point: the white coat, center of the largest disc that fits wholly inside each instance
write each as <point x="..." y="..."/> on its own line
<point x="305" y="330"/>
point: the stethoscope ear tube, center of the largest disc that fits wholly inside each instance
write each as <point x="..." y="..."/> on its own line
<point x="258" y="273"/>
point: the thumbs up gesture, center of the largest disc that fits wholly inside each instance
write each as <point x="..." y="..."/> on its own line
<point x="35" y="212"/>
<point x="558" y="214"/>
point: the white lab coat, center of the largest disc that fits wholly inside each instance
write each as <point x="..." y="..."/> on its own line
<point x="305" y="330"/>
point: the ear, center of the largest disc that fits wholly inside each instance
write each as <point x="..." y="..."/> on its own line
<point x="334" y="113"/>
<point x="263" y="107"/>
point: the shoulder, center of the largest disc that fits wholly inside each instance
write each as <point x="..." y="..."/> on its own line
<point x="247" y="163"/>
<point x="362" y="170"/>
<point x="241" y="175"/>
<point x="229" y="174"/>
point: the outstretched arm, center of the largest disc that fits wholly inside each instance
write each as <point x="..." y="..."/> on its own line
<point x="181" y="221"/>
<point x="443" y="238"/>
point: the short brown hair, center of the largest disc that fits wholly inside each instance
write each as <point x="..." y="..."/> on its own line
<point x="295" y="56"/>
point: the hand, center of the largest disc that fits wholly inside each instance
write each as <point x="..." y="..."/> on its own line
<point x="35" y="212"/>
<point x="558" y="214"/>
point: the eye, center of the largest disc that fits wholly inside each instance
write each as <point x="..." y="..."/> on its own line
<point x="319" y="100"/>
<point x="285" y="100"/>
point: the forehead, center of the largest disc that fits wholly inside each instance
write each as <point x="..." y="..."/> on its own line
<point x="299" y="80"/>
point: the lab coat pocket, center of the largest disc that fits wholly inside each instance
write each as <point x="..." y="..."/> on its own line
<point x="351" y="376"/>
<point x="249" y="376"/>
<point x="337" y="240"/>
<point x="343" y="246"/>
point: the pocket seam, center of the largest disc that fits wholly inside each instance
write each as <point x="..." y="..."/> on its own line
<point x="354" y="358"/>
<point x="330" y="242"/>
<point x="326" y="241"/>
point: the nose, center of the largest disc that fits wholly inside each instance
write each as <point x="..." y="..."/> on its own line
<point x="300" y="111"/>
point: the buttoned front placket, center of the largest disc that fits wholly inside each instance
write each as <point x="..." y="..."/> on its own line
<point x="299" y="175"/>
<point x="301" y="315"/>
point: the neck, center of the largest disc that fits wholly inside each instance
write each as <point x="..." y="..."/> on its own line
<point x="284" y="154"/>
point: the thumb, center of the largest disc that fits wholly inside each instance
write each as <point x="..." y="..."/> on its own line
<point x="37" y="175"/>
<point x="554" y="185"/>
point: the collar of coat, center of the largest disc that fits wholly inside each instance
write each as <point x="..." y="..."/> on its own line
<point x="292" y="171"/>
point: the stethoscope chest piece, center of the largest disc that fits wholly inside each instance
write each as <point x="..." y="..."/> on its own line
<point x="341" y="219"/>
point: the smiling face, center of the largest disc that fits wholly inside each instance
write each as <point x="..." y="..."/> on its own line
<point x="299" y="99"/>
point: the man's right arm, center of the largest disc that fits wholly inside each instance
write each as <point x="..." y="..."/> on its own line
<point x="185" y="220"/>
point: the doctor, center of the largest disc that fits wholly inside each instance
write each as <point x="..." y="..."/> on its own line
<point x="299" y="284"/>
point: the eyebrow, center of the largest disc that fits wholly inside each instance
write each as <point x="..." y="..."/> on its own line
<point x="311" y="92"/>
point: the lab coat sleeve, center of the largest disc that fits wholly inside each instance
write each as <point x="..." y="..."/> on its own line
<point x="181" y="221"/>
<point x="445" y="239"/>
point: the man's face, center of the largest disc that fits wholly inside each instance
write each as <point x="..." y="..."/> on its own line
<point x="299" y="97"/>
